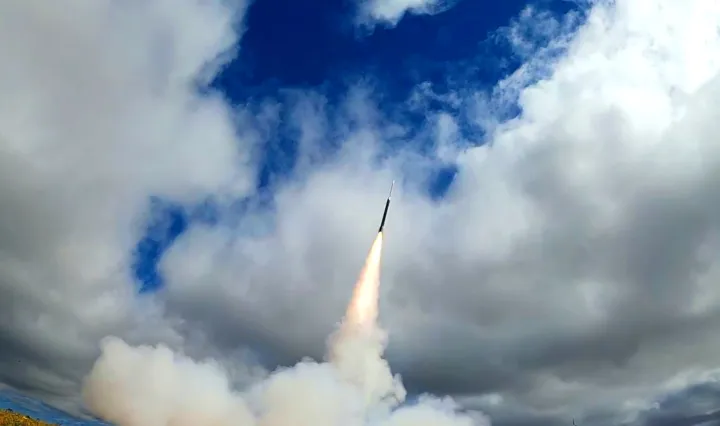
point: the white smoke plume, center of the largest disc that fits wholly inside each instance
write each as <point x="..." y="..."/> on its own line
<point x="356" y="349"/>
<point x="150" y="386"/>
<point x="154" y="386"/>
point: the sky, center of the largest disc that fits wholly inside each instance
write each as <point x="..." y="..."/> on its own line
<point x="207" y="177"/>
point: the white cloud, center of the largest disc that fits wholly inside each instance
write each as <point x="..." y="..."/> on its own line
<point x="569" y="271"/>
<point x="390" y="12"/>
<point x="563" y="272"/>
<point x="99" y="112"/>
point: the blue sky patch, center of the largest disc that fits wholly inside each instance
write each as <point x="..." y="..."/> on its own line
<point x="314" y="46"/>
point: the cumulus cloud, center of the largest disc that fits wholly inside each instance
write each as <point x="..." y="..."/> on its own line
<point x="569" y="271"/>
<point x="100" y="110"/>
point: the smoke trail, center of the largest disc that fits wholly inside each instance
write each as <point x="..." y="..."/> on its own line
<point x="363" y="308"/>
<point x="152" y="386"/>
<point x="356" y="348"/>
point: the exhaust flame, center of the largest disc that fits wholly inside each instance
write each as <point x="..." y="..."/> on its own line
<point x="363" y="308"/>
<point x="356" y="349"/>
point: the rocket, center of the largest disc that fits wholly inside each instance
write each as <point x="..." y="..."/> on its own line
<point x="387" y="205"/>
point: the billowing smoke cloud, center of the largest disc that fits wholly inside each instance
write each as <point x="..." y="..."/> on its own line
<point x="144" y="386"/>
<point x="154" y="386"/>
<point x="147" y="386"/>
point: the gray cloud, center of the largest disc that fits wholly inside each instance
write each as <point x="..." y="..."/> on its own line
<point x="92" y="122"/>
<point x="570" y="271"/>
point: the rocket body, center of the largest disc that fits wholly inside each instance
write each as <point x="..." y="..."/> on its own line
<point x="387" y="206"/>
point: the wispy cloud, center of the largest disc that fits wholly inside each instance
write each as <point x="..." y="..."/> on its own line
<point x="390" y="12"/>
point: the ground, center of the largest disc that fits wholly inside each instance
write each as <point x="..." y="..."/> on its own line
<point x="37" y="412"/>
<point x="10" y="417"/>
